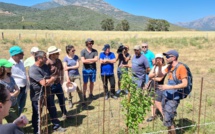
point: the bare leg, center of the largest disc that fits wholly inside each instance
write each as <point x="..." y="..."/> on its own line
<point x="159" y="107"/>
<point x="119" y="85"/>
<point x="171" y="130"/>
<point x="84" y="88"/>
<point x="91" y="87"/>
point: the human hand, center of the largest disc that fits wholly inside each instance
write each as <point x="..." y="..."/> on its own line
<point x="21" y="121"/>
<point x="164" y="87"/>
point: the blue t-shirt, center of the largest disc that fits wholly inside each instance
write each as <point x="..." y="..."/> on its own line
<point x="139" y="65"/>
<point x="70" y="63"/>
<point x="150" y="56"/>
<point x="107" y="69"/>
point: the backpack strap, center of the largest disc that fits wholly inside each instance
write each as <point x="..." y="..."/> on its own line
<point x="174" y="73"/>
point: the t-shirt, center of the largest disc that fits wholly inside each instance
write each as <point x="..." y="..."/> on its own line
<point x="89" y="55"/>
<point x="10" y="128"/>
<point x="56" y="68"/>
<point x="122" y="59"/>
<point x="11" y="87"/>
<point x="181" y="73"/>
<point x="70" y="63"/>
<point x="36" y="74"/>
<point x="139" y="66"/>
<point x="29" y="62"/>
<point x="107" y="69"/>
<point x="150" y="56"/>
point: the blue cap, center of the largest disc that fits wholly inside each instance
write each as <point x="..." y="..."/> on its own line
<point x="106" y="46"/>
<point x="15" y="50"/>
<point x="172" y="52"/>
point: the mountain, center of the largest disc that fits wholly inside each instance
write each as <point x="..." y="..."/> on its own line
<point x="204" y="24"/>
<point x="105" y="8"/>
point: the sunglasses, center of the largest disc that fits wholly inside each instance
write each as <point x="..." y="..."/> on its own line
<point x="136" y="50"/>
<point x="57" y="53"/>
<point x="169" y="56"/>
<point x="144" y="46"/>
<point x="73" y="50"/>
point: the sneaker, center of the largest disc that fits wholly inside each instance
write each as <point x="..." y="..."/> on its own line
<point x="64" y="117"/>
<point x="126" y="91"/>
<point x="92" y="97"/>
<point x="60" y="129"/>
<point x="106" y="97"/>
<point x="114" y="97"/>
<point x="118" y="91"/>
<point x="151" y="118"/>
<point x="70" y="104"/>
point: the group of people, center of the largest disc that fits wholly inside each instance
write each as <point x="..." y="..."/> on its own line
<point x="46" y="73"/>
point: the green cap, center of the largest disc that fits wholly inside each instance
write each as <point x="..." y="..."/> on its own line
<point x="5" y="63"/>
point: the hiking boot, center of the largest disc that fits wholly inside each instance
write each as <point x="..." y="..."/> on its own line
<point x="92" y="97"/>
<point x="60" y="129"/>
<point x="151" y="118"/>
<point x="70" y="104"/>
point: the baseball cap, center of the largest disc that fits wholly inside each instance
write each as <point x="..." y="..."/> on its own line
<point x="5" y="63"/>
<point x="34" y="49"/>
<point x="89" y="40"/>
<point x="106" y="46"/>
<point x="15" y="50"/>
<point x="137" y="47"/>
<point x="172" y="52"/>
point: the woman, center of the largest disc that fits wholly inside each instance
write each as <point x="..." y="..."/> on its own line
<point x="10" y="84"/>
<point x="71" y="65"/>
<point x="5" y="104"/>
<point x="155" y="75"/>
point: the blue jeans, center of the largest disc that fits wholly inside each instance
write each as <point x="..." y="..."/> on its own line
<point x="21" y="99"/>
<point x="57" y="89"/>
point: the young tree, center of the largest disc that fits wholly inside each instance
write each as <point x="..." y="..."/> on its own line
<point x="107" y="24"/>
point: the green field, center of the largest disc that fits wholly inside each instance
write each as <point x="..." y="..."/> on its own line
<point x="196" y="49"/>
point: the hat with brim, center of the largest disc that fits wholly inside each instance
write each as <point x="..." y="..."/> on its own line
<point x="34" y="49"/>
<point x="53" y="50"/>
<point x="5" y="63"/>
<point x="137" y="47"/>
<point x="106" y="46"/>
<point x="172" y="52"/>
<point x="159" y="55"/>
<point x="15" y="50"/>
<point x="69" y="87"/>
<point x="89" y="40"/>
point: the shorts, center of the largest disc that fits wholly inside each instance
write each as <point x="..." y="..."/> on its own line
<point x="157" y="95"/>
<point x="119" y="72"/>
<point x="140" y="82"/>
<point x="169" y="108"/>
<point x="89" y="74"/>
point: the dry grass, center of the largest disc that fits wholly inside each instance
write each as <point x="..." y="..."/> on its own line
<point x="195" y="48"/>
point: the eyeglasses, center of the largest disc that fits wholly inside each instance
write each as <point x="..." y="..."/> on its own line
<point x="144" y="46"/>
<point x="169" y="56"/>
<point x="136" y="50"/>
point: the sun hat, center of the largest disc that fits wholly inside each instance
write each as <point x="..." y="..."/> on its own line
<point x="53" y="50"/>
<point x="106" y="46"/>
<point x="172" y="52"/>
<point x="15" y="50"/>
<point x="137" y="47"/>
<point x="69" y="87"/>
<point x="5" y="63"/>
<point x="159" y="55"/>
<point x="34" y="49"/>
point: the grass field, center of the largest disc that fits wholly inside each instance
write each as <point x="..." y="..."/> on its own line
<point x="196" y="49"/>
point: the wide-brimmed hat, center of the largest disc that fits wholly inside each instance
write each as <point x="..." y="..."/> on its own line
<point x="34" y="49"/>
<point x="159" y="55"/>
<point x="53" y="50"/>
<point x="69" y="87"/>
<point x="5" y="63"/>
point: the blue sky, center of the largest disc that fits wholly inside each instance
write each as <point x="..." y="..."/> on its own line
<point x="170" y="10"/>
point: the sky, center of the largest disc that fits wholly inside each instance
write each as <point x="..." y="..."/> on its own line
<point x="171" y="10"/>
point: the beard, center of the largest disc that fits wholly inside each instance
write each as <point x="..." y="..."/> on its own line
<point x="170" y="62"/>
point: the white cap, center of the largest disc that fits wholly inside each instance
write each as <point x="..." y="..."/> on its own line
<point x="159" y="55"/>
<point x="34" y="49"/>
<point x="69" y="87"/>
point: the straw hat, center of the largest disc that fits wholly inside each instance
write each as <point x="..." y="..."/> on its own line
<point x="53" y="49"/>
<point x="69" y="87"/>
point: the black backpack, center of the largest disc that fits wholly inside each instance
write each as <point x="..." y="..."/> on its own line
<point x="187" y="90"/>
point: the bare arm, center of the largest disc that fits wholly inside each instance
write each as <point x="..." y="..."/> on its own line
<point x="89" y="61"/>
<point x="16" y="92"/>
<point x="178" y="86"/>
<point x="48" y="82"/>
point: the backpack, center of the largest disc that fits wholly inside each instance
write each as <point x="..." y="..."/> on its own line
<point x="187" y="90"/>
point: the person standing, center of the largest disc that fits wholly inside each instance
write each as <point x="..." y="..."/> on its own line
<point x="31" y="60"/>
<point x="150" y="57"/>
<point x="71" y="65"/>
<point x="40" y="80"/>
<point x="19" y="74"/>
<point x="123" y="58"/>
<point x="139" y="67"/>
<point x="56" y="66"/>
<point x="171" y="96"/>
<point x="10" y="84"/>
<point x="107" y="59"/>
<point x="89" y="57"/>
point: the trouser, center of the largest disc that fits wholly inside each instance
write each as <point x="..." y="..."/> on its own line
<point x="13" y="114"/>
<point x="21" y="100"/>
<point x="52" y="112"/>
<point x="111" y="79"/>
<point x="77" y="80"/>
<point x="57" y="90"/>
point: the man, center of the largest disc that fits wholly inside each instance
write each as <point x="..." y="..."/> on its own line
<point x="89" y="57"/>
<point x="31" y="60"/>
<point x="139" y="67"/>
<point x="41" y="79"/>
<point x="19" y="75"/>
<point x="107" y="59"/>
<point x="5" y="104"/>
<point x="171" y="97"/>
<point x="123" y="58"/>
<point x="150" y="57"/>
<point x="57" y="70"/>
